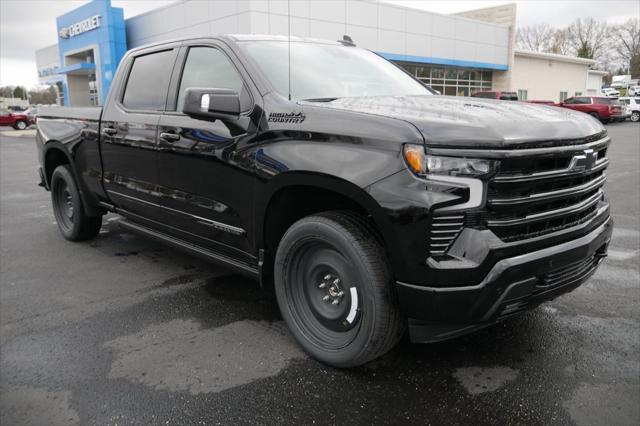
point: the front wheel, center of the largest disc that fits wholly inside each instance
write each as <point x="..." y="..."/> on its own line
<point x="73" y="222"/>
<point x="21" y="125"/>
<point x="635" y="116"/>
<point x="335" y="290"/>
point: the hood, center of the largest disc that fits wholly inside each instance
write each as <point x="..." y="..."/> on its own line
<point x="474" y="122"/>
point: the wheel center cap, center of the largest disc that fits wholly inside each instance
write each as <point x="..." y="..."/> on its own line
<point x="333" y="293"/>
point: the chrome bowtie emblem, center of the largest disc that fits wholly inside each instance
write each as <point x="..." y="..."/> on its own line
<point x="584" y="161"/>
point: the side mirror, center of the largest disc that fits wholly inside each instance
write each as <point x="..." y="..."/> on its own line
<point x="211" y="104"/>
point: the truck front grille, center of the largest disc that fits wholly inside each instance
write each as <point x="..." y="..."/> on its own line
<point x="527" y="198"/>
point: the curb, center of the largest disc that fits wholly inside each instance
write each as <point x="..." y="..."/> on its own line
<point x="19" y="133"/>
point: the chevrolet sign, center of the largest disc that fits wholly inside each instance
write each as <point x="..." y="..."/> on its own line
<point x="80" y="27"/>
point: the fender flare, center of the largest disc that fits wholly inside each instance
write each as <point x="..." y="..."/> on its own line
<point x="324" y="182"/>
<point x="58" y="146"/>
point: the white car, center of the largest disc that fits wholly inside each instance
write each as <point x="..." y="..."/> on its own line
<point x="633" y="91"/>
<point x="610" y="92"/>
<point x="633" y="107"/>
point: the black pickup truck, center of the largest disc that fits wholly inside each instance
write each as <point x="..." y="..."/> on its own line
<point x="368" y="202"/>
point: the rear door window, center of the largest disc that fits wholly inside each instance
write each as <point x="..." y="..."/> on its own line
<point x="148" y="81"/>
<point x="602" y="101"/>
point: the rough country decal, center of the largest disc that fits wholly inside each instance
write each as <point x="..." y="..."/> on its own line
<point x="286" y="117"/>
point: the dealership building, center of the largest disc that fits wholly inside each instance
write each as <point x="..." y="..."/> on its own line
<point x="456" y="54"/>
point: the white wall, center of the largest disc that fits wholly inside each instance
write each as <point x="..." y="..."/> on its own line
<point x="594" y="83"/>
<point x="374" y="25"/>
<point x="544" y="79"/>
<point x="48" y="57"/>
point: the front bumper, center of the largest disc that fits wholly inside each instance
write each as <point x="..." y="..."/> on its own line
<point x="513" y="284"/>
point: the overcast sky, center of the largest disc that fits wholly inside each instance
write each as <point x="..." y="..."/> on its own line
<point x="27" y="25"/>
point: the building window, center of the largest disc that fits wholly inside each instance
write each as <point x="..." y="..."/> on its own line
<point x="451" y="80"/>
<point x="563" y="96"/>
<point x="578" y="94"/>
<point x="523" y="95"/>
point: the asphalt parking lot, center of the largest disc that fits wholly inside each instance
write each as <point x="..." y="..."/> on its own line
<point x="121" y="330"/>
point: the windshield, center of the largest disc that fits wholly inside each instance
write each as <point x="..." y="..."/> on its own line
<point x="326" y="71"/>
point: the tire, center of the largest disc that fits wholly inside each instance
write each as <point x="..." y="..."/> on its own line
<point x="335" y="291"/>
<point x="635" y="116"/>
<point x="21" y="125"/>
<point x="73" y="222"/>
<point x="595" y="115"/>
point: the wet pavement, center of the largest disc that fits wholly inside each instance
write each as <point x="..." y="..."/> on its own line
<point x="122" y="330"/>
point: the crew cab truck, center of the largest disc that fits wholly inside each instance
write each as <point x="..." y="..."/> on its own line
<point x="370" y="204"/>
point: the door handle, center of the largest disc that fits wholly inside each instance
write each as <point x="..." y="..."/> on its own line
<point x="110" y="131"/>
<point x="170" y="137"/>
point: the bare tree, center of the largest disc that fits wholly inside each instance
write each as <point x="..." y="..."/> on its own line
<point x="43" y="95"/>
<point x="627" y="45"/>
<point x="534" y="37"/>
<point x="588" y="37"/>
<point x="559" y="42"/>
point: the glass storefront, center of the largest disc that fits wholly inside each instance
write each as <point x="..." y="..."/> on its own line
<point x="450" y="80"/>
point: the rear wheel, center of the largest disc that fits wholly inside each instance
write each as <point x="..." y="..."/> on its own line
<point x="595" y="115"/>
<point x="73" y="222"/>
<point x="335" y="289"/>
<point x="635" y="116"/>
<point x="21" y="125"/>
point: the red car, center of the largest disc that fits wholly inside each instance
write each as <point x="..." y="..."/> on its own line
<point x="604" y="109"/>
<point x="16" y="120"/>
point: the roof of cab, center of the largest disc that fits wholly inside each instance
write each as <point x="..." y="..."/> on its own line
<point x="239" y="38"/>
<point x="266" y="37"/>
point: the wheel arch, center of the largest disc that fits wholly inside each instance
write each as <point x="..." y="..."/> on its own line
<point x="280" y="204"/>
<point x="56" y="154"/>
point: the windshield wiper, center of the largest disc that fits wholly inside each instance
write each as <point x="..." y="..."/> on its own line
<point x="320" y="100"/>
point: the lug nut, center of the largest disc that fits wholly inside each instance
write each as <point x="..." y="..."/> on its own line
<point x="326" y="298"/>
<point x="322" y="285"/>
<point x="335" y="302"/>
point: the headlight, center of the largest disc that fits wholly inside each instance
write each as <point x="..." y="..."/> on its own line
<point x="423" y="164"/>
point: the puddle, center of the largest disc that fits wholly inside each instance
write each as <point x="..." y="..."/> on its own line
<point x="477" y="380"/>
<point x="181" y="356"/>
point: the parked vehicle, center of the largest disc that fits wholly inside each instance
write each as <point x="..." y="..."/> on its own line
<point x="18" y="121"/>
<point x="620" y="81"/>
<point x="504" y="96"/>
<point x="604" y="109"/>
<point x="367" y="201"/>
<point x="610" y="92"/>
<point x="633" y="106"/>
<point x="32" y="113"/>
<point x="16" y="108"/>
<point x="624" y="109"/>
<point x="633" y="91"/>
